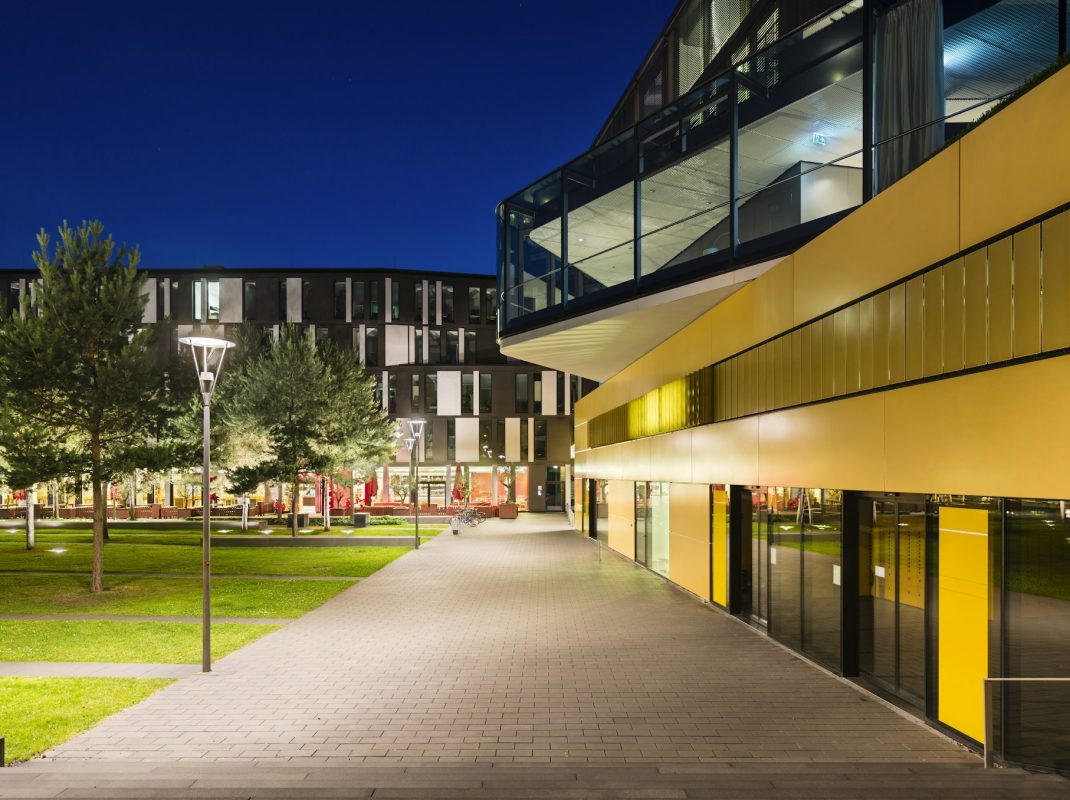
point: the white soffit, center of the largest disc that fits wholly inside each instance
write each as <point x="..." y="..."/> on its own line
<point x="600" y="344"/>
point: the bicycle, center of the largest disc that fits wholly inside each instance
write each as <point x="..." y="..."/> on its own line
<point x="467" y="516"/>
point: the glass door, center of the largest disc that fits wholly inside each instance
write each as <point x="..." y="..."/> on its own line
<point x="892" y="595"/>
<point x="642" y="522"/>
<point x="754" y="554"/>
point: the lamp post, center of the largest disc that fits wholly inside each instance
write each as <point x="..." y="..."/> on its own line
<point x="416" y="429"/>
<point x="208" y="362"/>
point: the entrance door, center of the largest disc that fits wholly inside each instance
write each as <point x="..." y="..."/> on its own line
<point x="642" y="522"/>
<point x="754" y="554"/>
<point x="555" y="490"/>
<point x="891" y="613"/>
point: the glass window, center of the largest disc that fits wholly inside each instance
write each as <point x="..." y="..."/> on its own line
<point x="467" y="392"/>
<point x="392" y="393"/>
<point x="358" y="300"/>
<point x="492" y="305"/>
<point x="486" y="440"/>
<point x="416" y="393"/>
<point x="540" y="440"/>
<point x="213" y="300"/>
<point x="248" y="300"/>
<point x="418" y="355"/>
<point x="452" y="348"/>
<point x="340" y="300"/>
<point x="560" y="393"/>
<point x="306" y="301"/>
<point x="431" y="384"/>
<point x="474" y="297"/>
<point x="395" y="299"/>
<point x="373" y="300"/>
<point x="371" y="346"/>
<point x="485" y="393"/>
<point x="522" y="405"/>
<point x="523" y="440"/>
<point x="282" y="300"/>
<point x="537" y="392"/>
<point x="418" y="303"/>
<point x="161" y="293"/>
<point x="429" y="450"/>
<point x="652" y="525"/>
<point x="379" y="390"/>
<point x="451" y="440"/>
<point x="198" y="300"/>
<point x="447" y="303"/>
<point x="470" y="350"/>
<point x="434" y="347"/>
<point x="13" y="291"/>
<point x="322" y="335"/>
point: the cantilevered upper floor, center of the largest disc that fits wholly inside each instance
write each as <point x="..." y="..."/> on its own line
<point x="659" y="222"/>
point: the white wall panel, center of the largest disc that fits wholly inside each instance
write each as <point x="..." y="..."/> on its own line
<point x="475" y="393"/>
<point x="230" y="300"/>
<point x="467" y="438"/>
<point x="148" y="316"/>
<point x="549" y="393"/>
<point x="397" y="345"/>
<point x="449" y="393"/>
<point x="438" y="302"/>
<point x="349" y="299"/>
<point x="531" y="438"/>
<point x="293" y="299"/>
<point x="388" y="306"/>
<point x="512" y="439"/>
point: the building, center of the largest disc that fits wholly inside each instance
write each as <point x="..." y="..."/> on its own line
<point x="829" y="309"/>
<point x="429" y="338"/>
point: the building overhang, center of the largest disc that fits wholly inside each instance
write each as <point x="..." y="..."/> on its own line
<point x="599" y="344"/>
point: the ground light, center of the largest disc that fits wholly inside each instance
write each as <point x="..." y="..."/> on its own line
<point x="208" y="362"/>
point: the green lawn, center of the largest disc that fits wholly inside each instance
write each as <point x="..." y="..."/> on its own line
<point x="39" y="713"/>
<point x="177" y="596"/>
<point x="131" y="642"/>
<point x="159" y="535"/>
<point x="119" y="557"/>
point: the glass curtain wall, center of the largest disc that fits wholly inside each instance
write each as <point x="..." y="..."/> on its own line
<point x="652" y="525"/>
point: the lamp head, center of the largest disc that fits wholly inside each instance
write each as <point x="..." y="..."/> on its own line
<point x="208" y="355"/>
<point x="416" y="427"/>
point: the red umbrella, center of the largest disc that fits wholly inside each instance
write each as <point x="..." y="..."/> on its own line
<point x="371" y="488"/>
<point x="458" y="479"/>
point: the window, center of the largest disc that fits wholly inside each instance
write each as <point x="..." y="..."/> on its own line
<point x="451" y="347"/>
<point x="358" y="300"/>
<point x="467" y="392"/>
<point x="340" y="300"/>
<point x="395" y="300"/>
<point x="202" y="290"/>
<point x="213" y="300"/>
<point x="418" y="299"/>
<point x="486" y="441"/>
<point x="418" y="356"/>
<point x="282" y="299"/>
<point x="537" y="392"/>
<point x="540" y="440"/>
<point x="373" y="299"/>
<point x="248" y="300"/>
<point x="522" y="405"/>
<point x="447" y="303"/>
<point x="392" y="394"/>
<point x="470" y="349"/>
<point x="306" y="298"/>
<point x="523" y="440"/>
<point x="429" y="450"/>
<point x="431" y="384"/>
<point x="13" y="292"/>
<point x="371" y="347"/>
<point x="500" y="441"/>
<point x="492" y="305"/>
<point x="434" y="347"/>
<point x="451" y="440"/>
<point x="161" y="293"/>
<point x="560" y="393"/>
<point x="416" y="393"/>
<point x="474" y="297"/>
<point x="577" y="389"/>
<point x="484" y="392"/>
<point x="322" y="336"/>
<point x="379" y="391"/>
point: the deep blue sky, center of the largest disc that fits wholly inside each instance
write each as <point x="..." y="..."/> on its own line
<point x="300" y="133"/>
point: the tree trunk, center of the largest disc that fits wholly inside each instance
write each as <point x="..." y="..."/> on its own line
<point x="100" y="510"/>
<point x="55" y="500"/>
<point x="293" y="508"/>
<point x="326" y="504"/>
<point x="31" y="527"/>
<point x="245" y="512"/>
<point x="104" y="492"/>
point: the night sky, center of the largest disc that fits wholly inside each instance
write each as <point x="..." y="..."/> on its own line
<point x="300" y="133"/>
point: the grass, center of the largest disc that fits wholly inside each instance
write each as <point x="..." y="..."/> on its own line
<point x="153" y="558"/>
<point x="161" y="535"/>
<point x="177" y="596"/>
<point x="39" y="713"/>
<point x="129" y="642"/>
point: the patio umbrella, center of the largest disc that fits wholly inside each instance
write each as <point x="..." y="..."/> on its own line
<point x="371" y="488"/>
<point x="457" y="493"/>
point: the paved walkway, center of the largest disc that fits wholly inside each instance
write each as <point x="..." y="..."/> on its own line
<point x="510" y="662"/>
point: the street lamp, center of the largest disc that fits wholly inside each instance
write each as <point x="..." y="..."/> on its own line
<point x="208" y="362"/>
<point x="416" y="429"/>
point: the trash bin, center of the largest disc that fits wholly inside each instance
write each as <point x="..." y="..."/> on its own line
<point x="455" y="524"/>
<point x="302" y="520"/>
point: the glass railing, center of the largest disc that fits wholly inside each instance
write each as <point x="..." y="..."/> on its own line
<point x="754" y="162"/>
<point x="1027" y="722"/>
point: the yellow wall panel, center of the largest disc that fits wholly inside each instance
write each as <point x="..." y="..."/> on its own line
<point x="934" y="322"/>
<point x="865" y="344"/>
<point x="622" y="517"/>
<point x="1000" y="301"/>
<point x="839" y="377"/>
<point x="1003" y="185"/>
<point x="1055" y="238"/>
<point x="851" y="313"/>
<point x="765" y="393"/>
<point x="807" y="392"/>
<point x="881" y="321"/>
<point x="794" y="391"/>
<point x="975" y="322"/>
<point x="828" y="356"/>
<point x="897" y="313"/>
<point x="915" y="328"/>
<point x="726" y="453"/>
<point x="951" y="325"/>
<point x="1027" y="292"/>
<point x="720" y="546"/>
<point x="844" y="263"/>
<point x="689" y="537"/>
<point x="669" y="457"/>
<point x="963" y="619"/>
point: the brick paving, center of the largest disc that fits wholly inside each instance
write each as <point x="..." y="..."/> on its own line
<point x="511" y="662"/>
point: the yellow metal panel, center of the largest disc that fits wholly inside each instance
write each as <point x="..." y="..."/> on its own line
<point x="1031" y="179"/>
<point x="881" y="322"/>
<point x="670" y="457"/>
<point x="1027" y="292"/>
<point x="839" y="375"/>
<point x="739" y="375"/>
<point x="781" y="369"/>
<point x="847" y="262"/>
<point x="853" y="348"/>
<point x="828" y="357"/>
<point x="726" y="453"/>
<point x="963" y="619"/>
<point x="622" y="517"/>
<point x="807" y="391"/>
<point x="720" y="546"/>
<point x="952" y="322"/>
<point x="764" y="384"/>
<point x="1000" y="301"/>
<point x="897" y="368"/>
<point x="865" y="344"/>
<point x="975" y="321"/>
<point x="794" y="394"/>
<point x="689" y="537"/>
<point x="752" y="381"/>
<point x="915" y="328"/>
<point x="1055" y="235"/>
<point x="933" y="357"/>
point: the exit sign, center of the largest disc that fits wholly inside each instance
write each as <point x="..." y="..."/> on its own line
<point x="819" y="139"/>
